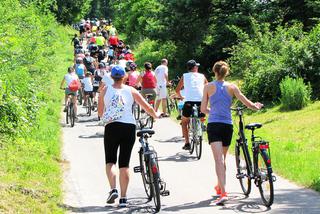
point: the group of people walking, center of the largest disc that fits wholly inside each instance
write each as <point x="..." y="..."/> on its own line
<point x="117" y="96"/>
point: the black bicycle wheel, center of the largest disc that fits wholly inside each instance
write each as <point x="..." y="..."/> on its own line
<point x="265" y="182"/>
<point x="155" y="184"/>
<point x="150" y="122"/>
<point x="72" y="115"/>
<point x="169" y="106"/>
<point x="67" y="114"/>
<point x="89" y="107"/>
<point x="144" y="173"/>
<point x="198" y="146"/>
<point x="136" y="111"/>
<point x="242" y="170"/>
<point x="192" y="131"/>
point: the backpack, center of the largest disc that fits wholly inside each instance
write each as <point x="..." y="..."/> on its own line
<point x="74" y="85"/>
<point x="114" y="110"/>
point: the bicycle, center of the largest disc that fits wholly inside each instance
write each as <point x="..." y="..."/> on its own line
<point x="172" y="100"/>
<point x="146" y="120"/>
<point x="70" y="113"/>
<point x="261" y="170"/>
<point x="154" y="186"/>
<point x="196" y="129"/>
<point x="90" y="105"/>
<point x="136" y="111"/>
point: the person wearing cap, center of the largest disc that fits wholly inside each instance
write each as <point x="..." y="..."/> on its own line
<point x="120" y="132"/>
<point x="161" y="73"/>
<point x="219" y="94"/>
<point x="193" y="83"/>
<point x="133" y="75"/>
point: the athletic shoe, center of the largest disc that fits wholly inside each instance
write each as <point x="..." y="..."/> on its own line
<point x="113" y="194"/>
<point x="223" y="198"/>
<point x="186" y="146"/>
<point x="123" y="202"/>
<point x="218" y="190"/>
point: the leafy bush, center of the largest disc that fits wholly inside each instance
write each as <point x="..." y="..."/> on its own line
<point x="266" y="58"/>
<point x="294" y="94"/>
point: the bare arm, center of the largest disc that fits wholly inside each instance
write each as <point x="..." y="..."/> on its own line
<point x="179" y="87"/>
<point x="238" y="94"/>
<point x="138" y="81"/>
<point x="101" y="101"/>
<point x="204" y="103"/>
<point x="143" y="103"/>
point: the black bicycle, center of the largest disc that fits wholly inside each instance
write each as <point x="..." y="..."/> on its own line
<point x="261" y="170"/>
<point x="90" y="104"/>
<point x="149" y="168"/>
<point x="172" y="100"/>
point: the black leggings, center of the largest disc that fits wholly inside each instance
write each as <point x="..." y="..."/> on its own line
<point x="119" y="134"/>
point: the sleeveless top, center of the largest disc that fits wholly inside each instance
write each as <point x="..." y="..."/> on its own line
<point x="193" y="85"/>
<point x="220" y="103"/>
<point x="126" y="94"/>
<point x="148" y="80"/>
<point x="132" y="78"/>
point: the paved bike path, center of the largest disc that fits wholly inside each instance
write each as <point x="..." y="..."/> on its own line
<point x="190" y="181"/>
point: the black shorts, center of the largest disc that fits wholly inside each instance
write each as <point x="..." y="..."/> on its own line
<point x="220" y="132"/>
<point x="187" y="109"/>
<point x="117" y="135"/>
<point x="90" y="93"/>
<point x="95" y="89"/>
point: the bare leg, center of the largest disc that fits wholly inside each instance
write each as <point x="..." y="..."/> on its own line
<point x="75" y="105"/>
<point x="185" y="130"/>
<point x="217" y="151"/>
<point x="124" y="181"/>
<point x="157" y="105"/>
<point x="110" y="170"/>
<point x="225" y="151"/>
<point x="164" y="105"/>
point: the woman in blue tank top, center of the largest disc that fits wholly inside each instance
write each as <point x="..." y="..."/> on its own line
<point x="219" y="94"/>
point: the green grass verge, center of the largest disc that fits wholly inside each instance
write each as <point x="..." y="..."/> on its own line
<point x="30" y="172"/>
<point x="293" y="137"/>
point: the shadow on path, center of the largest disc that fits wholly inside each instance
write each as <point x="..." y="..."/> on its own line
<point x="97" y="135"/>
<point x="179" y="157"/>
<point x="171" y="140"/>
<point x="136" y="205"/>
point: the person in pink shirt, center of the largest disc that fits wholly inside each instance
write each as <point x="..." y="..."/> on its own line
<point x="133" y="75"/>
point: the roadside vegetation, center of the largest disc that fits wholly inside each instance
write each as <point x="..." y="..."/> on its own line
<point x="35" y="52"/>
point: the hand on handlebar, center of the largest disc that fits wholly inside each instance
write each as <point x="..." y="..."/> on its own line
<point x="258" y="105"/>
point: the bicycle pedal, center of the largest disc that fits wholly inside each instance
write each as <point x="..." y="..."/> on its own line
<point x="137" y="169"/>
<point x="240" y="176"/>
<point x="165" y="193"/>
<point x="274" y="178"/>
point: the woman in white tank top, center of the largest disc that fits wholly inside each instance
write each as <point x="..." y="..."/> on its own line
<point x="116" y="101"/>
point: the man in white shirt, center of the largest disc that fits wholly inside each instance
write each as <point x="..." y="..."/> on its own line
<point x="193" y="83"/>
<point x="161" y="74"/>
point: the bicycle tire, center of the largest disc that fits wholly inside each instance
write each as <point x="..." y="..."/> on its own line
<point x="67" y="114"/>
<point x="192" y="130"/>
<point x="155" y="184"/>
<point x="149" y="122"/>
<point x="144" y="174"/>
<point x="80" y="98"/>
<point x="265" y="177"/>
<point x="72" y="115"/>
<point x="89" y="107"/>
<point x="136" y="111"/>
<point x="242" y="170"/>
<point x="198" y="146"/>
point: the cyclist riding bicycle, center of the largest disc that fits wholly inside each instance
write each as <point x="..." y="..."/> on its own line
<point x="219" y="94"/>
<point x="193" y="83"/>
<point x="148" y="82"/>
<point x="80" y="68"/>
<point x="132" y="76"/>
<point x="87" y="87"/>
<point x="71" y="79"/>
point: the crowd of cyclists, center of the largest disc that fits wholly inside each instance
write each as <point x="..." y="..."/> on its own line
<point x="104" y="67"/>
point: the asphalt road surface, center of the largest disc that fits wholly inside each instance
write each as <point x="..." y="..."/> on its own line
<point x="190" y="181"/>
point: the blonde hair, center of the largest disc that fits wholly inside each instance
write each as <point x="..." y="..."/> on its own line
<point x="221" y="68"/>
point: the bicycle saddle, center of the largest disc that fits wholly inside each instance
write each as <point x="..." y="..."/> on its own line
<point x="253" y="126"/>
<point x="145" y="131"/>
